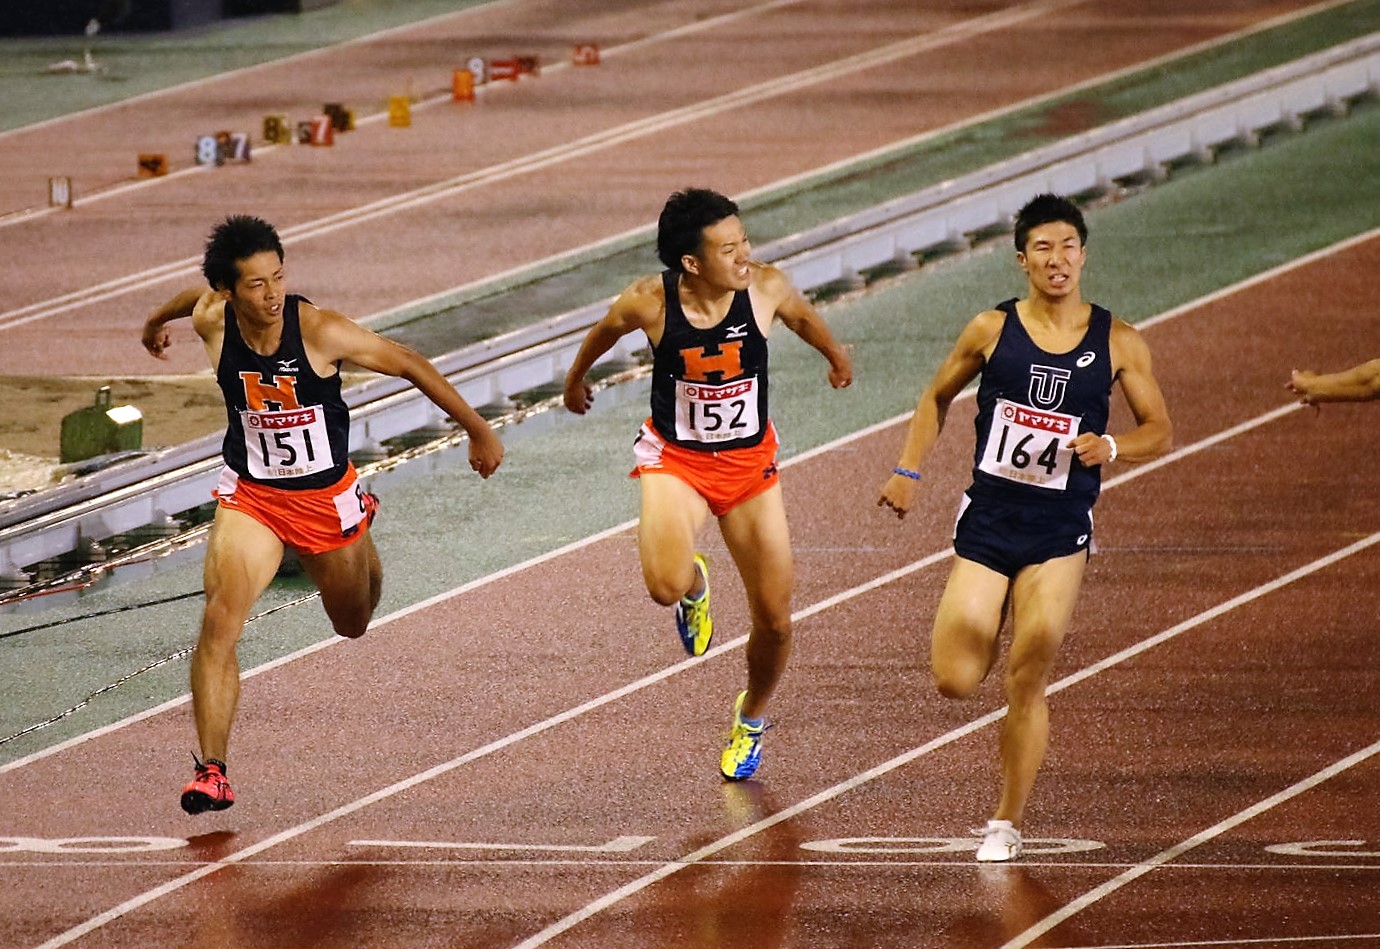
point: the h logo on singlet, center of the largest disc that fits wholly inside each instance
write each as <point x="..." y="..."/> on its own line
<point x="1047" y="385"/>
<point x="699" y="364"/>
<point x="269" y="398"/>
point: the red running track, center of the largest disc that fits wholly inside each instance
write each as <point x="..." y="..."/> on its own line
<point x="459" y="778"/>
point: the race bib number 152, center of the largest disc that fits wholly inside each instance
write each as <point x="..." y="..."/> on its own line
<point x="722" y="413"/>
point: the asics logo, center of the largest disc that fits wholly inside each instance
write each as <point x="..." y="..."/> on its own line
<point x="1086" y="360"/>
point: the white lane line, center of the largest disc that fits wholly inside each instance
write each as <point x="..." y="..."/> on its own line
<point x="675" y="866"/>
<point x="557" y="154"/>
<point x="1324" y="941"/>
<point x="960" y="863"/>
<point x="570" y="714"/>
<point x="1216" y="830"/>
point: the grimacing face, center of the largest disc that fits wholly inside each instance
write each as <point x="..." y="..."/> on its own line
<point x="1053" y="259"/>
<point x="724" y="255"/>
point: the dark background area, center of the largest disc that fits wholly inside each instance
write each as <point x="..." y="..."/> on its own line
<point x="68" y="17"/>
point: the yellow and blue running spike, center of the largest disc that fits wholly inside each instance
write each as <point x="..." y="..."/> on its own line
<point x="692" y="616"/>
<point x="743" y="753"/>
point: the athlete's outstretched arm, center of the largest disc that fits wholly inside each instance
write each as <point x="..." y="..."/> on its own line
<point x="1357" y="384"/>
<point x="155" y="337"/>
<point x="340" y="339"/>
<point x="636" y="308"/>
<point x="801" y="318"/>
<point x="958" y="369"/>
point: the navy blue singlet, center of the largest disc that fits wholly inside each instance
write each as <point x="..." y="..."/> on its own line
<point x="1031" y="404"/>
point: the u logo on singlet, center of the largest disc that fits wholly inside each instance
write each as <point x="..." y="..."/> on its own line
<point x="699" y="364"/>
<point x="1047" y="384"/>
<point x="282" y="394"/>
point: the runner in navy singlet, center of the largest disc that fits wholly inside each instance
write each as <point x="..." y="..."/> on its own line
<point x="287" y="481"/>
<point x="1047" y="365"/>
<point x="709" y="446"/>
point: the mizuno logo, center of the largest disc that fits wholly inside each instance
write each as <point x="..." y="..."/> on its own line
<point x="737" y="332"/>
<point x="287" y="365"/>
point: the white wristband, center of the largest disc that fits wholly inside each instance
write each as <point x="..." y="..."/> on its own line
<point x="1112" y="443"/>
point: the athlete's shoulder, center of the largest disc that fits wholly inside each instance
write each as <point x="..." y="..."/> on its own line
<point x="770" y="280"/>
<point x="642" y="301"/>
<point x="208" y="315"/>
<point x="1124" y="334"/>
<point x="988" y="323"/>
<point x="1127" y="346"/>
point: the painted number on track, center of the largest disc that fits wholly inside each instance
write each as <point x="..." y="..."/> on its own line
<point x="1033" y="845"/>
<point x="89" y="844"/>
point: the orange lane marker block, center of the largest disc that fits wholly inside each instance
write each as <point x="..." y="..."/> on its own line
<point x="585" y="54"/>
<point x="60" y="192"/>
<point x="399" y="112"/>
<point x="322" y="130"/>
<point x="462" y="86"/>
<point x="152" y="165"/>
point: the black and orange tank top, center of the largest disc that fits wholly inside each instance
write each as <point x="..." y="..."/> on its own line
<point x="709" y="386"/>
<point x="286" y="426"/>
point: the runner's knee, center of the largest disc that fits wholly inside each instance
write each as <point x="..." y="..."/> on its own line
<point x="957" y="682"/>
<point x="666" y="587"/>
<point x="353" y="626"/>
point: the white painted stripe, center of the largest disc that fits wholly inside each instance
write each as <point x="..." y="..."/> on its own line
<point x="675" y="866"/>
<point x="1216" y="830"/>
<point x="1329" y="940"/>
<point x="194" y="84"/>
<point x="959" y="863"/>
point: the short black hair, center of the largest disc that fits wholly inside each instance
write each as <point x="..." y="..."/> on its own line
<point x="236" y="238"/>
<point x="1047" y="209"/>
<point x="680" y="229"/>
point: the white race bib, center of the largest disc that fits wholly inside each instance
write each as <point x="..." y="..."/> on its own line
<point x="286" y="444"/>
<point x="1029" y="446"/>
<point x="710" y="414"/>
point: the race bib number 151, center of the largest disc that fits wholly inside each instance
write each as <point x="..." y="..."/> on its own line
<point x="287" y="444"/>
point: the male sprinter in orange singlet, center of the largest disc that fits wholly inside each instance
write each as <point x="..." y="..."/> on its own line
<point x="288" y="481"/>
<point x="1047" y="365"/>
<point x="710" y="446"/>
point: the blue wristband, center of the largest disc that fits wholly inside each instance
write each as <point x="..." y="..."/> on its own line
<point x="907" y="473"/>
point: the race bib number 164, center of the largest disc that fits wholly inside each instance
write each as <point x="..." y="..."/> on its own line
<point x="1029" y="446"/>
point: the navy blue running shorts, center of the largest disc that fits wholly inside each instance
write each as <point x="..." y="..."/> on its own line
<point x="1007" y="536"/>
